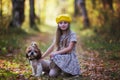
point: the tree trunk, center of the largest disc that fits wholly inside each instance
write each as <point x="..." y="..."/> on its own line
<point x="76" y="9"/>
<point x="118" y="7"/>
<point x="32" y="13"/>
<point x="84" y="12"/>
<point x="0" y="7"/>
<point x="93" y="4"/>
<point x="0" y="13"/>
<point x="108" y="4"/>
<point x="17" y="13"/>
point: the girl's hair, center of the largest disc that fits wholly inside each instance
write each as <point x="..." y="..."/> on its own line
<point x="58" y="35"/>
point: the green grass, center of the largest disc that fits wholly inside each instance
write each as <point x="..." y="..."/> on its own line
<point x="99" y="44"/>
<point x="11" y="39"/>
<point x="94" y="41"/>
<point x="9" y="74"/>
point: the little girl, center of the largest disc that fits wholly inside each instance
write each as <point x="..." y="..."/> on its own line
<point x="64" y="58"/>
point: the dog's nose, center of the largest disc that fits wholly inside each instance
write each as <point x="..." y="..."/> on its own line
<point x="32" y="53"/>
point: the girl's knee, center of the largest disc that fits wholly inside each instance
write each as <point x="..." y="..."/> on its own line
<point x="53" y="73"/>
<point x="54" y="70"/>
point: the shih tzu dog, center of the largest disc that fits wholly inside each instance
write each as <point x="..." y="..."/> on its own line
<point x="38" y="65"/>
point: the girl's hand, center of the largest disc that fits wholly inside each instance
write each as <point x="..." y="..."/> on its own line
<point x="53" y="54"/>
<point x="43" y="56"/>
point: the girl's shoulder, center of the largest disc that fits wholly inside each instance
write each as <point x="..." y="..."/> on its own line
<point x="72" y="33"/>
<point x="73" y="36"/>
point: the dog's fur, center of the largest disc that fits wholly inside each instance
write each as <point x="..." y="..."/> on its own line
<point x="33" y="54"/>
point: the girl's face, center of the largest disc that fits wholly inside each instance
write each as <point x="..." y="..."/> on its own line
<point x="63" y="25"/>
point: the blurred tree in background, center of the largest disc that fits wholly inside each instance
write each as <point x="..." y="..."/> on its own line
<point x="101" y="15"/>
<point x="5" y="14"/>
<point x="81" y="5"/>
<point x="17" y="13"/>
<point x="32" y="15"/>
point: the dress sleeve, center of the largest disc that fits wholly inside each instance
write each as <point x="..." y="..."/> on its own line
<point x="73" y="37"/>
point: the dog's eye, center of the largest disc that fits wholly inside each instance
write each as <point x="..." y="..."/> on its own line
<point x="29" y="51"/>
<point x="36" y="51"/>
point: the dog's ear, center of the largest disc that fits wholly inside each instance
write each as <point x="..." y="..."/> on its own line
<point x="28" y="49"/>
<point x="26" y="55"/>
<point x="39" y="54"/>
<point x="35" y="46"/>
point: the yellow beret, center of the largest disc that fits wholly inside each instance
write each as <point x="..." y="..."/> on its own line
<point x="63" y="17"/>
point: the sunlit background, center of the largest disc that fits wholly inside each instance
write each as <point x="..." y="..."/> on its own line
<point x="47" y="10"/>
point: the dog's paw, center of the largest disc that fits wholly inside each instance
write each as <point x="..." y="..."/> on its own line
<point x="33" y="74"/>
<point x="37" y="75"/>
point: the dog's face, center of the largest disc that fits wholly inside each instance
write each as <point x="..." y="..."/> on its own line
<point x="33" y="52"/>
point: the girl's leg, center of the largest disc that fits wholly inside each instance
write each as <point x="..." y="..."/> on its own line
<point x="54" y="70"/>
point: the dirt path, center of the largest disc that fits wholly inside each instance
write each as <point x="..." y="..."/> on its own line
<point x="40" y="37"/>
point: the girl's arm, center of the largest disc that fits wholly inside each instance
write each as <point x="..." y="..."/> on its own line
<point x="49" y="50"/>
<point x="65" y="50"/>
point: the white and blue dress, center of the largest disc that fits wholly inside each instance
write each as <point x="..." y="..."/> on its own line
<point x="67" y="62"/>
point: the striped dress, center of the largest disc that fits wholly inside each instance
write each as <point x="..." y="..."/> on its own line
<point x="67" y="62"/>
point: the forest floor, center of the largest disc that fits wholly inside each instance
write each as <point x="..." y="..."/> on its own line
<point x="15" y="66"/>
